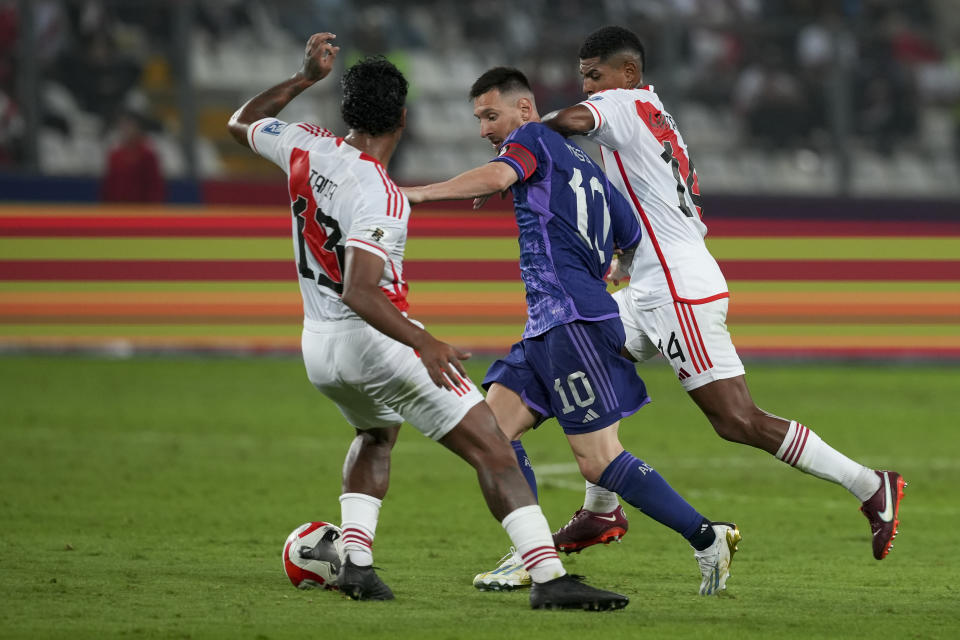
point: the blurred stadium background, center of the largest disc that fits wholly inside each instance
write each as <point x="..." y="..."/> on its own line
<point x="826" y="134"/>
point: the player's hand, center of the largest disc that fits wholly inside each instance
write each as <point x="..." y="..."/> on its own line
<point x="616" y="272"/>
<point x="443" y="362"/>
<point x="482" y="200"/>
<point x="318" y="56"/>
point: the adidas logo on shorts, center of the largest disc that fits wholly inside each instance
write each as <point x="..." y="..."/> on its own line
<point x="591" y="415"/>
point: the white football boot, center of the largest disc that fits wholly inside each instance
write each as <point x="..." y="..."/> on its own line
<point x="715" y="560"/>
<point x="508" y="575"/>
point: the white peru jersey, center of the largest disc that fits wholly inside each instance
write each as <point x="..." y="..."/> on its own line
<point x="339" y="198"/>
<point x="647" y="160"/>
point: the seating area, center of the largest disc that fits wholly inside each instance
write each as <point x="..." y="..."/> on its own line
<point x="772" y="98"/>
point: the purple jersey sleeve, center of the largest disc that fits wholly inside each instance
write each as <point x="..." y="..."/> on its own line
<point x="519" y="158"/>
<point x="521" y="151"/>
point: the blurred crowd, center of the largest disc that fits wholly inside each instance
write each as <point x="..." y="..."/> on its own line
<point x="772" y="62"/>
<point x="769" y="75"/>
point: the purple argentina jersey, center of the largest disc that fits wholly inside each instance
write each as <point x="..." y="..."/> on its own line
<point x="570" y="220"/>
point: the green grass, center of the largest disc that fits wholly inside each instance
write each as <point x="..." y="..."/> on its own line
<point x="150" y="498"/>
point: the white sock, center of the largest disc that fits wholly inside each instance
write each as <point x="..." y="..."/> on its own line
<point x="599" y="500"/>
<point x="803" y="449"/>
<point x="530" y="534"/>
<point x="358" y="521"/>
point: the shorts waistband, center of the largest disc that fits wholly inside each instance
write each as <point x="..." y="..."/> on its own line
<point x="334" y="326"/>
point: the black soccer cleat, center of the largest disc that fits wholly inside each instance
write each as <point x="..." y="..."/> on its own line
<point x="569" y="592"/>
<point x="361" y="583"/>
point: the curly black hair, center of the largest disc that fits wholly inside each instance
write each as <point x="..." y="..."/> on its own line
<point x="607" y="41"/>
<point x="374" y="92"/>
<point x="502" y="78"/>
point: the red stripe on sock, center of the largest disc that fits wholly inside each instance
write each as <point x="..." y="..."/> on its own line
<point x="358" y="537"/>
<point x="356" y="542"/>
<point x="797" y="438"/>
<point x="793" y="443"/>
<point x="537" y="551"/>
<point x="803" y="443"/>
<point x="536" y="560"/>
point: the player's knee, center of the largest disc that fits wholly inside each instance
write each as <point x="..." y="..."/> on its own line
<point x="479" y="441"/>
<point x="380" y="439"/>
<point x="592" y="468"/>
<point x="493" y="459"/>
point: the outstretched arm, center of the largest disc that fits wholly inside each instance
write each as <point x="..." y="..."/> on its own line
<point x="572" y="121"/>
<point x="318" y="58"/>
<point x="482" y="181"/>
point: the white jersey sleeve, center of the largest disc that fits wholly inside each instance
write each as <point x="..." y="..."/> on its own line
<point x="608" y="108"/>
<point x="378" y="225"/>
<point x="273" y="139"/>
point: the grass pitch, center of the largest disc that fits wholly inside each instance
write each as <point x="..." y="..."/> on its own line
<point x="150" y="498"/>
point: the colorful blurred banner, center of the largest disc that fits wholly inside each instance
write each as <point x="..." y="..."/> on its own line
<point x="223" y="278"/>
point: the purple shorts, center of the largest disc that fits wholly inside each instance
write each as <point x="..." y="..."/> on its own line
<point x="575" y="373"/>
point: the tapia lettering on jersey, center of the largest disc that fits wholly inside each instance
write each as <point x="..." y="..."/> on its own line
<point x="323" y="187"/>
<point x="657" y="120"/>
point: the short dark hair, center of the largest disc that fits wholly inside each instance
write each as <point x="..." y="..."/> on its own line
<point x="374" y="92"/>
<point x="502" y="78"/>
<point x="611" y="40"/>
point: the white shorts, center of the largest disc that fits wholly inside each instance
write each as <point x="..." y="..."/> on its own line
<point x="693" y="338"/>
<point x="377" y="382"/>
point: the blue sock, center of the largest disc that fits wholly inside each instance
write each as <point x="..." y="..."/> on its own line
<point x="525" y="466"/>
<point x="637" y="483"/>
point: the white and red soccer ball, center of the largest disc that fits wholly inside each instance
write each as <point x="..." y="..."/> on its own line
<point x="312" y="555"/>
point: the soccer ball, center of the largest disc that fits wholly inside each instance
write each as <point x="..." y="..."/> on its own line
<point x="312" y="555"/>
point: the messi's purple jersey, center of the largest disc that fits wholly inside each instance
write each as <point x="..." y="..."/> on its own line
<point x="570" y="220"/>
